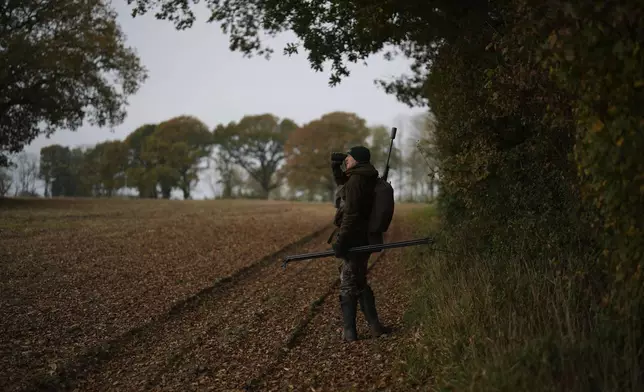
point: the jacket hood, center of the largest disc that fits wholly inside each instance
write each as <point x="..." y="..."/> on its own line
<point x="363" y="169"/>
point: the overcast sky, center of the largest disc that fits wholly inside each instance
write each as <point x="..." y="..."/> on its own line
<point x="193" y="72"/>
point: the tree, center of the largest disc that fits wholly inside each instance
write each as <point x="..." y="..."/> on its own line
<point x="49" y="159"/>
<point x="59" y="170"/>
<point x="106" y="165"/>
<point x="415" y="170"/>
<point x="70" y="171"/>
<point x="81" y="176"/>
<point x="26" y="174"/>
<point x="426" y="146"/>
<point x="6" y="181"/>
<point x="308" y="150"/>
<point x="88" y="172"/>
<point x="188" y="141"/>
<point x="58" y="60"/>
<point x="256" y="144"/>
<point x="139" y="172"/>
<point x="222" y="175"/>
<point x="113" y="166"/>
<point x="82" y="171"/>
<point x="158" y="152"/>
<point x="249" y="188"/>
<point x="66" y="180"/>
<point x="420" y="158"/>
<point x="228" y="172"/>
<point x="342" y="31"/>
<point x="54" y="169"/>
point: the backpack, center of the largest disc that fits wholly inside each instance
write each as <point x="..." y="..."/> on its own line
<point x="382" y="211"/>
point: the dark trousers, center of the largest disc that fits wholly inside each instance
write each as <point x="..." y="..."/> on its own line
<point x="353" y="274"/>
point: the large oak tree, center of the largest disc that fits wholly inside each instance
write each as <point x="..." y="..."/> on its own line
<point x="256" y="144"/>
<point x="187" y="141"/>
<point x="139" y="171"/>
<point x="309" y="148"/>
<point x="62" y="63"/>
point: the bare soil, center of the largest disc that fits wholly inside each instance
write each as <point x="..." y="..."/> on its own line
<point x="171" y="295"/>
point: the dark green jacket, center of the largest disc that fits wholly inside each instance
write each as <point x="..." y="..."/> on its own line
<point x="358" y="195"/>
<point x="340" y="179"/>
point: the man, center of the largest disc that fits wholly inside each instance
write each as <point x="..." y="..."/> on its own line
<point x="356" y="178"/>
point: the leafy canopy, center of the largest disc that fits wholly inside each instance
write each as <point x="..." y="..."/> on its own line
<point x="62" y="62"/>
<point x="309" y="148"/>
<point x="338" y="31"/>
<point x="256" y="144"/>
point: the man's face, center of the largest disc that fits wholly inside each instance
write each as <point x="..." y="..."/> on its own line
<point x="350" y="162"/>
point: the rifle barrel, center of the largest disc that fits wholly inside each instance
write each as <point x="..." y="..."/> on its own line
<point x="360" y="249"/>
<point x="391" y="145"/>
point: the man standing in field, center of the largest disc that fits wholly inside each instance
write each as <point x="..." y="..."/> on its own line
<point x="356" y="178"/>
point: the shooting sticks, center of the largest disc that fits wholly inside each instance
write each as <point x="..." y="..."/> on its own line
<point x="365" y="248"/>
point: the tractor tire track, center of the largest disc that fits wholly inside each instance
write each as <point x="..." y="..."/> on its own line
<point x="65" y="378"/>
<point x="222" y="339"/>
<point x="248" y="331"/>
<point x="320" y="361"/>
<point x="300" y="332"/>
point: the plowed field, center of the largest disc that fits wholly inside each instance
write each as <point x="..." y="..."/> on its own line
<point x="173" y="295"/>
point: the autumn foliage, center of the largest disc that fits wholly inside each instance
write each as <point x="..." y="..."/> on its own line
<point x="309" y="148"/>
<point x="63" y="63"/>
<point x="272" y="153"/>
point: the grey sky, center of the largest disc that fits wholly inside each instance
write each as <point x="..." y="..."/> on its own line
<point x="193" y="72"/>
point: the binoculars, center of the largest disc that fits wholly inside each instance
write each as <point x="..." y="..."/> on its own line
<point x="338" y="156"/>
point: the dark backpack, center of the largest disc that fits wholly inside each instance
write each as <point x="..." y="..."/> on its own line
<point x="382" y="211"/>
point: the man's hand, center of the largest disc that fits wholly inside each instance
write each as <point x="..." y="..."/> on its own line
<point x="340" y="248"/>
<point x="338" y="175"/>
<point x="338" y="157"/>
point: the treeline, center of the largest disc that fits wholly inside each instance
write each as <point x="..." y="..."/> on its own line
<point x="260" y="156"/>
<point x="539" y="109"/>
<point x="154" y="159"/>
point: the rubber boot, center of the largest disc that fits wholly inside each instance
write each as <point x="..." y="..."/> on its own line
<point x="348" y="305"/>
<point x="368" y="306"/>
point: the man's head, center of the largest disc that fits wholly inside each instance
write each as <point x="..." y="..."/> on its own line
<point x="357" y="154"/>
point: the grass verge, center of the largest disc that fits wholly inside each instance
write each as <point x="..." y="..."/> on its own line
<point x="492" y="323"/>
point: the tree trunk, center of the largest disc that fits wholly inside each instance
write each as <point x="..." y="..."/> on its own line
<point x="265" y="189"/>
<point x="147" y="193"/>
<point x="227" y="193"/>
<point x="431" y="187"/>
<point x="185" y="185"/>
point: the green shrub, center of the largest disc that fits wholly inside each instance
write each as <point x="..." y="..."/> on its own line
<point x="539" y="121"/>
<point x="493" y="323"/>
